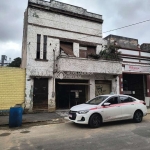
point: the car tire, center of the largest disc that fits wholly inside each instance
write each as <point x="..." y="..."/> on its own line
<point x="138" y="116"/>
<point x="95" y="121"/>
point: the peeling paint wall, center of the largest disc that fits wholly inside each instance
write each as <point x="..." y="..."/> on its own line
<point x="64" y="26"/>
<point x="94" y="66"/>
<point x="122" y="41"/>
<point x="12" y="87"/>
<point x="57" y="27"/>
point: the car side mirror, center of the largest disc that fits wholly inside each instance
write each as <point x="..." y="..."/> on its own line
<point x="106" y="104"/>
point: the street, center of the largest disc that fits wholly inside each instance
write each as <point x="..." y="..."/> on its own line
<point x="122" y="135"/>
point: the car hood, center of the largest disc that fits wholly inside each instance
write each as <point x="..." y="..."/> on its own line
<point x="82" y="107"/>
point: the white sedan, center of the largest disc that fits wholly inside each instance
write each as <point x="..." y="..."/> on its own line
<point x="106" y="108"/>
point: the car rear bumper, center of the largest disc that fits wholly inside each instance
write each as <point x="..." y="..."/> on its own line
<point x="145" y="113"/>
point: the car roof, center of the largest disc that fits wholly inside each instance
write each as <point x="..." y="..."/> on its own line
<point x="110" y="95"/>
<point x="114" y="95"/>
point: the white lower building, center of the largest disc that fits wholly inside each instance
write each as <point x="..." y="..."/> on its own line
<point x="56" y="43"/>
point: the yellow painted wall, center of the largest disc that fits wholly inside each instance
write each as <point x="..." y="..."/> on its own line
<point x="12" y="87"/>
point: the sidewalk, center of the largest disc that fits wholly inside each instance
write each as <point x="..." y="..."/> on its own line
<point x="36" y="117"/>
<point x="55" y="117"/>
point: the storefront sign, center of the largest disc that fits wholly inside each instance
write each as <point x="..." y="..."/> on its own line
<point x="72" y="75"/>
<point x="136" y="68"/>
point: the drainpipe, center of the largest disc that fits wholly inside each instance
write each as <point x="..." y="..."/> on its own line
<point x="53" y="93"/>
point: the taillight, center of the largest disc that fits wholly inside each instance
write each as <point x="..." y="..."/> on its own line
<point x="144" y="103"/>
<point x="141" y="101"/>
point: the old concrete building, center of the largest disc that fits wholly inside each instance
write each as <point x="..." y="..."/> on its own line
<point x="57" y="40"/>
<point x="135" y="78"/>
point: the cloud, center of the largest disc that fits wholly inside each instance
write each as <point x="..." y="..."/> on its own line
<point x="123" y="13"/>
<point x="11" y="27"/>
<point x="10" y="49"/>
<point x="11" y="20"/>
<point x="116" y="13"/>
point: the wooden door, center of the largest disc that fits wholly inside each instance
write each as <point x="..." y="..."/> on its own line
<point x="40" y="93"/>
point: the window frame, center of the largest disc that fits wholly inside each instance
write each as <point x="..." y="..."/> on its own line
<point x="45" y="47"/>
<point x="111" y="98"/>
<point x="88" y="102"/>
<point x="38" y="46"/>
<point x="67" y="48"/>
<point x="85" y="50"/>
<point x="128" y="98"/>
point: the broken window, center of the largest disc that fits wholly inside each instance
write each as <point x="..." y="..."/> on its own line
<point x="67" y="48"/>
<point x="84" y="51"/>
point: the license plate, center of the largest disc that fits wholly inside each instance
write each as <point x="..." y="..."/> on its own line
<point x="70" y="115"/>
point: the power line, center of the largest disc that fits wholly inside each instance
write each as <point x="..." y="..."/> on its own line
<point x="119" y="28"/>
<point x="127" y="26"/>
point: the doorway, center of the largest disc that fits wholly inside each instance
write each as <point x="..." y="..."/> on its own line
<point x="134" y="85"/>
<point x="70" y="93"/>
<point x="40" y="93"/>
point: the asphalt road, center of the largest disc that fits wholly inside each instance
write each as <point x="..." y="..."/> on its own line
<point x="124" y="135"/>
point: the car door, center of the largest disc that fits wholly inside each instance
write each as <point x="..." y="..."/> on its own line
<point x="128" y="106"/>
<point x="113" y="111"/>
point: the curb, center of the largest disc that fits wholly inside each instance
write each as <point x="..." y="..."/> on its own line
<point x="52" y="121"/>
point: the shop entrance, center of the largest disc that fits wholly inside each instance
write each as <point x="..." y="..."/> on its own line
<point x="134" y="85"/>
<point x="70" y="93"/>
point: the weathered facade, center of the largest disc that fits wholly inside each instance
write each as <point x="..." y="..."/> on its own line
<point x="135" y="79"/>
<point x="57" y="40"/>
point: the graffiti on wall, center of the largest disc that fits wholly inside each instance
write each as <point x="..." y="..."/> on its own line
<point x="101" y="89"/>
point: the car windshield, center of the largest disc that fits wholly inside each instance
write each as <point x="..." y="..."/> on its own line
<point x="96" y="100"/>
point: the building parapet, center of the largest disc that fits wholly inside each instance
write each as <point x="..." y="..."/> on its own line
<point x="145" y="47"/>
<point x="123" y="42"/>
<point x="66" y="9"/>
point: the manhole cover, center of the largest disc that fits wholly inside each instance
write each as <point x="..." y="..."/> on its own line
<point x="25" y="132"/>
<point x="5" y="134"/>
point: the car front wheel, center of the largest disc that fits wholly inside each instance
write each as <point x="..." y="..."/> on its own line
<point x="95" y="121"/>
<point x="138" y="116"/>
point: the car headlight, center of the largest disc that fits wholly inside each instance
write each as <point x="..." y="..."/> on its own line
<point x="83" y="111"/>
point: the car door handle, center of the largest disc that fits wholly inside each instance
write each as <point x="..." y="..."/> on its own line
<point x="132" y="104"/>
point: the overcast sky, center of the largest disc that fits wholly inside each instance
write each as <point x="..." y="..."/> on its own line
<point x="116" y="13"/>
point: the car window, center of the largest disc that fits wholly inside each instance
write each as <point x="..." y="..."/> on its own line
<point x="125" y="99"/>
<point x="97" y="100"/>
<point x="113" y="100"/>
